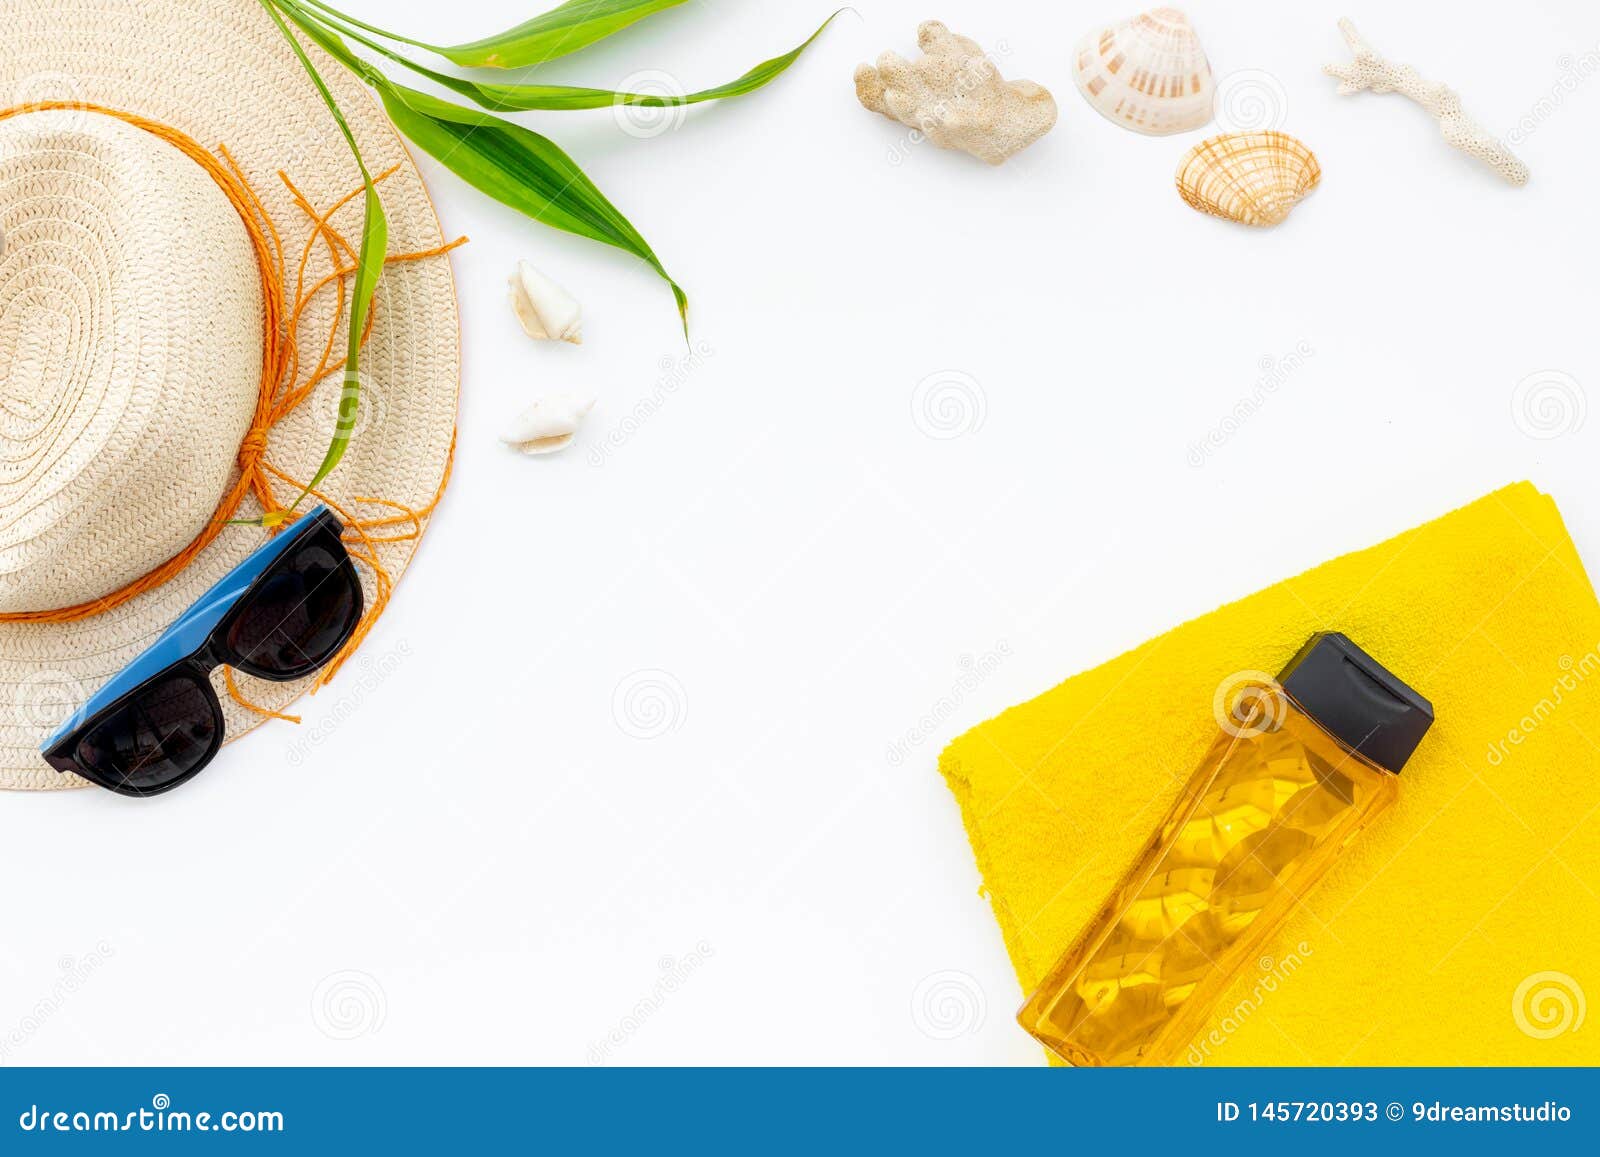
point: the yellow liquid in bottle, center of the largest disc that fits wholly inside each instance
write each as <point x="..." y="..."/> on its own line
<point x="1257" y="825"/>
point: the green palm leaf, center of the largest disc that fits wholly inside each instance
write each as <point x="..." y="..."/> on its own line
<point x="520" y="168"/>
<point x="514" y="165"/>
<point x="574" y="25"/>
<point x="369" y="268"/>
<point x="525" y="97"/>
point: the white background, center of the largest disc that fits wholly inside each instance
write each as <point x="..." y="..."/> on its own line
<point x="633" y="721"/>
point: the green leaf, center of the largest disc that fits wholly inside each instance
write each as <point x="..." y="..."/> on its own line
<point x="574" y="25"/>
<point x="514" y="165"/>
<point x="369" y="268"/>
<point x="519" y="168"/>
<point x="523" y="97"/>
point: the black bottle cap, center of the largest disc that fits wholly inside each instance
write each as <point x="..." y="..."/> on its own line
<point x="1353" y="698"/>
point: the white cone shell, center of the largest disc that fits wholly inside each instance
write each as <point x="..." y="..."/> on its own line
<point x="547" y="312"/>
<point x="550" y="423"/>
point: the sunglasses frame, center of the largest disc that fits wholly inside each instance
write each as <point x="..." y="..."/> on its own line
<point x="194" y="646"/>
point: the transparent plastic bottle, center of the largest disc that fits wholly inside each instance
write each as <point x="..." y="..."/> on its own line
<point x="1311" y="759"/>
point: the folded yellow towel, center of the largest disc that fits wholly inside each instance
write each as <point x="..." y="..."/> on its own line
<point x="1463" y="926"/>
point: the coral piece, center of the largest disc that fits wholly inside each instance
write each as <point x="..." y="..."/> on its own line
<point x="550" y="423"/>
<point x="1252" y="178"/>
<point x="1370" y="71"/>
<point x="1148" y="74"/>
<point x="956" y="96"/>
<point x="547" y="312"/>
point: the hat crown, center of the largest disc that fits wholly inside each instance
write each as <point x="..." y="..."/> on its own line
<point x="130" y="354"/>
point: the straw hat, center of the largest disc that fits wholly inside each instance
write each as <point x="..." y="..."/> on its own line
<point x="132" y="322"/>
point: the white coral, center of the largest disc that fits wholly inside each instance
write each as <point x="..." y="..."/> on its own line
<point x="1368" y="70"/>
<point x="956" y="96"/>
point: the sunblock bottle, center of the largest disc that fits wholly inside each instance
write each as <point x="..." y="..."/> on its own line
<point x="1303" y="765"/>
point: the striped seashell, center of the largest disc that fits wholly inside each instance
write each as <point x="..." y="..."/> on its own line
<point x="1254" y="178"/>
<point x="1148" y="74"/>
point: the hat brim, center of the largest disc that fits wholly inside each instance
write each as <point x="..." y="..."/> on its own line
<point x="221" y="72"/>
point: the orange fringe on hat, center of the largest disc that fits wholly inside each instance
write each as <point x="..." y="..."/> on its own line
<point x="282" y="389"/>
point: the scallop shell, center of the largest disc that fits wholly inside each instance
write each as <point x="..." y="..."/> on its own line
<point x="1148" y="74"/>
<point x="1253" y="178"/>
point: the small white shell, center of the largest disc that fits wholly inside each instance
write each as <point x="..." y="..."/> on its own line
<point x="547" y="312"/>
<point x="549" y="423"/>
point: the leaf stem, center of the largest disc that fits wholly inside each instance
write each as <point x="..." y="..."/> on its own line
<point x="369" y="267"/>
<point x="499" y="97"/>
<point x="372" y="28"/>
<point x="345" y="26"/>
<point x="272" y="7"/>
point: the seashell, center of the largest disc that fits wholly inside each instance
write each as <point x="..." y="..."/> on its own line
<point x="1254" y="178"/>
<point x="956" y="97"/>
<point x="547" y="312"/>
<point x="1148" y="74"/>
<point x="550" y="423"/>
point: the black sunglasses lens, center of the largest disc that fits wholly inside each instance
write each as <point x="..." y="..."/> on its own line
<point x="299" y="613"/>
<point x="155" y="739"/>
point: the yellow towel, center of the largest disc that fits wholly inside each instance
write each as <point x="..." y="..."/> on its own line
<point x="1463" y="926"/>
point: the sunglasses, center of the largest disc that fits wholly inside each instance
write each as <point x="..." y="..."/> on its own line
<point x="280" y="614"/>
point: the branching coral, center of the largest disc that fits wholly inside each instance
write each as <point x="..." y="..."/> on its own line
<point x="1370" y="71"/>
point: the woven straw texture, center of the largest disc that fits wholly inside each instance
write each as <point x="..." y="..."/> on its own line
<point x="131" y="341"/>
<point x="130" y="330"/>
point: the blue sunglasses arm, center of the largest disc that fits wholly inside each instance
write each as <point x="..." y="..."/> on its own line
<point x="191" y="630"/>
